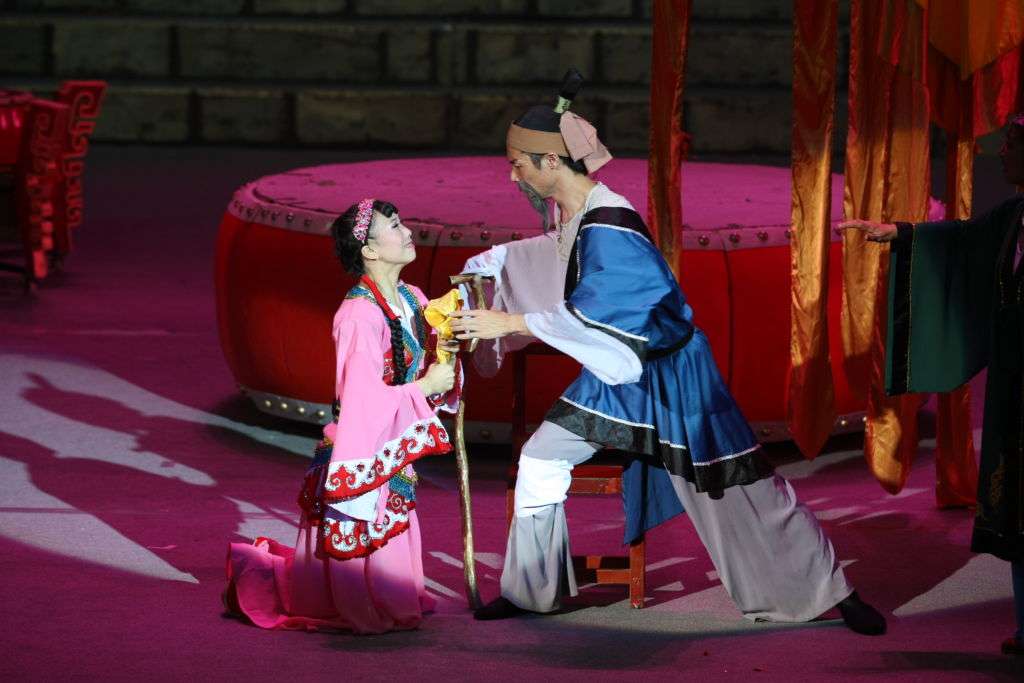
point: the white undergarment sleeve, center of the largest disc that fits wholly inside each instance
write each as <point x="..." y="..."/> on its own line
<point x="530" y="278"/>
<point x="490" y="262"/>
<point x="610" y="360"/>
<point x="362" y="507"/>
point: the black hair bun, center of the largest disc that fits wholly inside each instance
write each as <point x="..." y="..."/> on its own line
<point x="571" y="84"/>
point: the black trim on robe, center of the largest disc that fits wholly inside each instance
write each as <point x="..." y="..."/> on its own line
<point x="903" y="247"/>
<point x="637" y="346"/>
<point x="738" y="471"/>
<point x="618" y="216"/>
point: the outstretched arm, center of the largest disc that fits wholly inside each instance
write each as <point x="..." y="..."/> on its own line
<point x="873" y="232"/>
<point x="483" y="324"/>
<point x="984" y="231"/>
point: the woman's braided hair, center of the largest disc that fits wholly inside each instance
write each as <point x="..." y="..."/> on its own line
<point x="397" y="351"/>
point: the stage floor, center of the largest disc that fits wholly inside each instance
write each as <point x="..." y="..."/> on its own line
<point x="128" y="462"/>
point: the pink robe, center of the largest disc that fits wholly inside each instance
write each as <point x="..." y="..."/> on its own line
<point x="346" y="573"/>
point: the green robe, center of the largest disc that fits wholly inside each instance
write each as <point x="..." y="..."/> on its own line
<point x="955" y="306"/>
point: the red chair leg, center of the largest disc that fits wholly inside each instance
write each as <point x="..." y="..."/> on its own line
<point x="637" y="573"/>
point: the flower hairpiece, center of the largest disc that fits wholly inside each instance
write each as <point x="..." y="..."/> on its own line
<point x="363" y="218"/>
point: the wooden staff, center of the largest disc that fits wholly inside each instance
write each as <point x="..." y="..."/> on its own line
<point x="475" y="283"/>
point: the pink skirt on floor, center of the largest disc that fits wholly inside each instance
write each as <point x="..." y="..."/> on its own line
<point x="281" y="587"/>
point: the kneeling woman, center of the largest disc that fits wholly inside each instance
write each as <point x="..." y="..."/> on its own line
<point x="357" y="563"/>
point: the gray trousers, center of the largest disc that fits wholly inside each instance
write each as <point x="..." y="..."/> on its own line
<point x="769" y="550"/>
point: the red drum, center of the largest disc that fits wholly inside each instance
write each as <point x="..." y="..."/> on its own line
<point x="279" y="283"/>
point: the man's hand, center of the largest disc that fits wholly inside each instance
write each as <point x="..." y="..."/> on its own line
<point x="874" y="232"/>
<point x="483" y="324"/>
<point x="452" y="346"/>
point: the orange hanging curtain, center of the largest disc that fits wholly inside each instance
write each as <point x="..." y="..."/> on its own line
<point x="974" y="63"/>
<point x="973" y="34"/>
<point x="810" y="396"/>
<point x="671" y="24"/>
<point x="887" y="179"/>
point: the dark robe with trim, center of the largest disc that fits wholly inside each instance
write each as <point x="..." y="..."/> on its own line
<point x="956" y="305"/>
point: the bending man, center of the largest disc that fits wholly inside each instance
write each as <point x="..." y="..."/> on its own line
<point x="649" y="386"/>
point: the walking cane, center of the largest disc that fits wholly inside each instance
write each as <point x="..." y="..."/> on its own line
<point x="475" y="285"/>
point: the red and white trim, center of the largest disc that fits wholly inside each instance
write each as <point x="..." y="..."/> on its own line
<point x="348" y="478"/>
<point x="350" y="538"/>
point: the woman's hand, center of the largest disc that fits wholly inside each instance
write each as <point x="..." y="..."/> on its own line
<point x="485" y="324"/>
<point x="874" y="232"/>
<point x="440" y="378"/>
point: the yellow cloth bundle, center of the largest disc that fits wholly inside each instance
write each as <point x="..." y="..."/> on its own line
<point x="438" y="315"/>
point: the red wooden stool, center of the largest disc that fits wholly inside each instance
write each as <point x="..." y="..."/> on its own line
<point x="36" y="176"/>
<point x="83" y="99"/>
<point x="586" y="479"/>
<point x="42" y="181"/>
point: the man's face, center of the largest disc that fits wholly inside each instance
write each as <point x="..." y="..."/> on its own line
<point x="524" y="171"/>
<point x="533" y="182"/>
<point x="1011" y="155"/>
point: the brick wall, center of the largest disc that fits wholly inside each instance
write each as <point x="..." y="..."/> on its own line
<point x="442" y="74"/>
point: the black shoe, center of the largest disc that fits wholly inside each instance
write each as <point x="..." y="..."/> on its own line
<point x="860" y="617"/>
<point x="499" y="608"/>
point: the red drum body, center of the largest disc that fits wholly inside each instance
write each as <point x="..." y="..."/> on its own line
<point x="278" y="281"/>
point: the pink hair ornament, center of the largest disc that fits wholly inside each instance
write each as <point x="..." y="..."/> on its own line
<point x="363" y="218"/>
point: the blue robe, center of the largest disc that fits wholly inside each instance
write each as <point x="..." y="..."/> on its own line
<point x="679" y="417"/>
